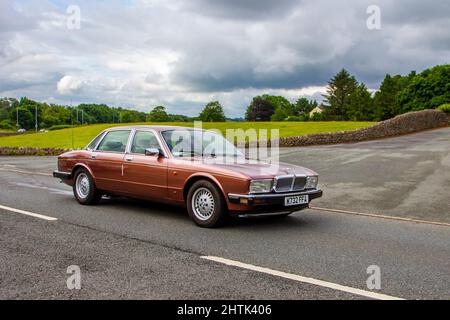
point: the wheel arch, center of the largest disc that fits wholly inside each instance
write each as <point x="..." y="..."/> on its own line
<point x="81" y="165"/>
<point x="202" y="176"/>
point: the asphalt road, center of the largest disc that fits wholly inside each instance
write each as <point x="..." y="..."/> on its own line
<point x="133" y="249"/>
<point x="407" y="176"/>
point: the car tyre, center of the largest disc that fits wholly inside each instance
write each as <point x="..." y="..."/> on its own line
<point x="84" y="188"/>
<point x="206" y="205"/>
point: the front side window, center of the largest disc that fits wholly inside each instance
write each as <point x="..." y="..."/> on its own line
<point x="114" y="141"/>
<point x="143" y="140"/>
<point x="185" y="143"/>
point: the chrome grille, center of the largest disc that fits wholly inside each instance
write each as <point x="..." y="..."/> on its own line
<point x="283" y="184"/>
<point x="299" y="183"/>
<point x="289" y="183"/>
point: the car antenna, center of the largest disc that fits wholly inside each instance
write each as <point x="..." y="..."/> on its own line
<point x="71" y="107"/>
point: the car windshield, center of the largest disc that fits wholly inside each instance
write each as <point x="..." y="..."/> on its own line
<point x="188" y="143"/>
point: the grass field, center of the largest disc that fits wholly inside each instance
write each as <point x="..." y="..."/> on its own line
<point x="79" y="137"/>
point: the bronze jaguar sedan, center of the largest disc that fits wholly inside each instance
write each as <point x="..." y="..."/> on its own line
<point x="198" y="169"/>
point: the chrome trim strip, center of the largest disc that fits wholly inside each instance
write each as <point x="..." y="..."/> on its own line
<point x="130" y="140"/>
<point x="293" y="182"/>
<point x="272" y="195"/>
<point x="269" y="214"/>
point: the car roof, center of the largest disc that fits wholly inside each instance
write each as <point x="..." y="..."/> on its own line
<point x="156" y="128"/>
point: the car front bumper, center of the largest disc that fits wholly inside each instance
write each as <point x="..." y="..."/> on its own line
<point x="272" y="202"/>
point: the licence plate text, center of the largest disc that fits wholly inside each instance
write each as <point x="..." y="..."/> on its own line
<point x="296" y="200"/>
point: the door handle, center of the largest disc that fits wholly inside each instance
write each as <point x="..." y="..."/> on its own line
<point x="93" y="156"/>
<point x="129" y="158"/>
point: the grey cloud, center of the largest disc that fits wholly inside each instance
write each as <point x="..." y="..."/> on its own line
<point x="219" y="48"/>
<point x="414" y="11"/>
<point x="243" y="9"/>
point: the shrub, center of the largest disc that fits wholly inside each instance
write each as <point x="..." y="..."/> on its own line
<point x="303" y="117"/>
<point x="318" y="117"/>
<point x="445" y="108"/>
<point x="7" y="125"/>
<point x="59" y="127"/>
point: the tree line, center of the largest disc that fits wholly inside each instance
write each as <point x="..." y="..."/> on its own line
<point x="345" y="99"/>
<point x="22" y="113"/>
<point x="348" y="99"/>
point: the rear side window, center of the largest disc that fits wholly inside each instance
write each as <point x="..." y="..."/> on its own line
<point x="143" y="140"/>
<point x="114" y="141"/>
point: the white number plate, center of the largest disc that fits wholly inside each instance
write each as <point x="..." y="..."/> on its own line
<point x="296" y="200"/>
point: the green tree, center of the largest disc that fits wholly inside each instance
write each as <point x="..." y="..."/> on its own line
<point x="427" y="90"/>
<point x="6" y="106"/>
<point x="179" y="118"/>
<point x="283" y="108"/>
<point x="7" y="124"/>
<point x="303" y="106"/>
<point x="26" y="118"/>
<point x="27" y="113"/>
<point x="339" y="89"/>
<point x="158" y="114"/>
<point x="55" y="115"/>
<point x="360" y="105"/>
<point x="386" y="98"/>
<point x="96" y="113"/>
<point x="213" y="112"/>
<point x="260" y="109"/>
<point x="280" y="114"/>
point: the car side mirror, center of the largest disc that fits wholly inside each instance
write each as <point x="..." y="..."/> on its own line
<point x="154" y="152"/>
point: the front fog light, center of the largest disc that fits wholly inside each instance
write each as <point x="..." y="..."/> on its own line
<point x="260" y="186"/>
<point x="311" y="182"/>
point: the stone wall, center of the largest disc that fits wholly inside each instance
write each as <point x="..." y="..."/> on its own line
<point x="28" y="151"/>
<point x="402" y="124"/>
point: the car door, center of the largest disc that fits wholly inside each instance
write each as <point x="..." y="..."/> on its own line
<point x="145" y="176"/>
<point x="107" y="159"/>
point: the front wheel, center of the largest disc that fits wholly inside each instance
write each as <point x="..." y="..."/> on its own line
<point x="84" y="188"/>
<point x="206" y="205"/>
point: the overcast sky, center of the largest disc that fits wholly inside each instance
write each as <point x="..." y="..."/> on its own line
<point x="182" y="54"/>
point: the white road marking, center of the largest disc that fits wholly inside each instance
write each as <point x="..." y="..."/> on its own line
<point x="28" y="213"/>
<point x="321" y="283"/>
<point x="27" y="172"/>
<point x="373" y="215"/>
<point x="51" y="190"/>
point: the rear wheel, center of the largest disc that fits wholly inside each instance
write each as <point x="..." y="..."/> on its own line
<point x="84" y="188"/>
<point x="206" y="205"/>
